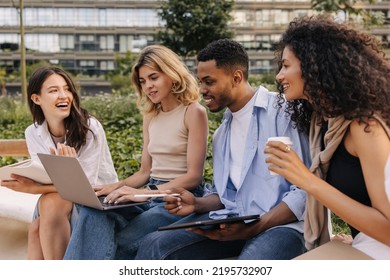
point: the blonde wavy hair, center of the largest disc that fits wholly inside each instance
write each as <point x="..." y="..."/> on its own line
<point x="159" y="58"/>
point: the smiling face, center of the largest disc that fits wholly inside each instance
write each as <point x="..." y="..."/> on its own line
<point x="54" y="98"/>
<point x="215" y="86"/>
<point x="156" y="85"/>
<point x="290" y="76"/>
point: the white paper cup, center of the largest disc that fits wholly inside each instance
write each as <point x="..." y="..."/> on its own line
<point x="284" y="139"/>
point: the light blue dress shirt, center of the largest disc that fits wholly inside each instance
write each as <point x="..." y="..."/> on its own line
<point x="259" y="191"/>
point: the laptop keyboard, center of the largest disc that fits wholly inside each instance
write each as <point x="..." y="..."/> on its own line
<point x="101" y="199"/>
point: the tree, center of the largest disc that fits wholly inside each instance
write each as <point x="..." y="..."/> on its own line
<point x="22" y="52"/>
<point x="3" y="75"/>
<point x="191" y="25"/>
<point x="119" y="78"/>
<point x="22" y="55"/>
<point x="350" y="7"/>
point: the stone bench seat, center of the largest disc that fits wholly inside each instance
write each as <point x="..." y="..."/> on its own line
<point x="16" y="205"/>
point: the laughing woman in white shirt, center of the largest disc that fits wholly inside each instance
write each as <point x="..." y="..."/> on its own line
<point x="60" y="126"/>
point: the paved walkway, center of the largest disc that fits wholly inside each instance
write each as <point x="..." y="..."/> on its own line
<point x="13" y="239"/>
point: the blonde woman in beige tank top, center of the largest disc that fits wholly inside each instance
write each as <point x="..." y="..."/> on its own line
<point x="175" y="132"/>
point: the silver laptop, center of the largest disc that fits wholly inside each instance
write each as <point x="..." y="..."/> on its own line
<point x="72" y="184"/>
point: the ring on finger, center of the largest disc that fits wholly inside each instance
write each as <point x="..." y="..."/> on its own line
<point x="287" y="149"/>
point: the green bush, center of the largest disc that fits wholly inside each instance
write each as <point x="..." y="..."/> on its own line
<point x="265" y="80"/>
<point x="14" y="118"/>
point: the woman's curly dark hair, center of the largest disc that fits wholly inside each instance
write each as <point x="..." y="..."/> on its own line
<point x="344" y="71"/>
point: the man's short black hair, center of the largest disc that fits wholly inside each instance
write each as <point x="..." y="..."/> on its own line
<point x="228" y="54"/>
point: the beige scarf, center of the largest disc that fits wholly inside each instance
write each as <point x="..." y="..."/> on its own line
<point x="317" y="218"/>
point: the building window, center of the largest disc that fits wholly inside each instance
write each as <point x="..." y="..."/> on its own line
<point x="9" y="42"/>
<point x="88" y="67"/>
<point x="107" y="42"/>
<point x="134" y="43"/>
<point x="9" y="17"/>
<point x="87" y="43"/>
<point x="260" y="66"/>
<point x="48" y="43"/>
<point x="68" y="64"/>
<point x="132" y="17"/>
<point x="67" y="42"/>
<point x="107" y="65"/>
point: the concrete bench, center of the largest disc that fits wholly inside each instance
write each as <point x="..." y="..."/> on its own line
<point x="16" y="205"/>
<point x="334" y="250"/>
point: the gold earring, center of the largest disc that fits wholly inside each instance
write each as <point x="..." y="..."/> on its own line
<point x="174" y="87"/>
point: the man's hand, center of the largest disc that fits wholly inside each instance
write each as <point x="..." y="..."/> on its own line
<point x="180" y="205"/>
<point x="229" y="231"/>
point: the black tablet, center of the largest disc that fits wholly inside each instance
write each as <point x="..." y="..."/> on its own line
<point x="211" y="223"/>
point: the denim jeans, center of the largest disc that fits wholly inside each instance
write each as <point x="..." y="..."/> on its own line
<point x="106" y="235"/>
<point x="280" y="243"/>
<point x="93" y="237"/>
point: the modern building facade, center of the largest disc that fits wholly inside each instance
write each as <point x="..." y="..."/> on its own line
<point x="84" y="36"/>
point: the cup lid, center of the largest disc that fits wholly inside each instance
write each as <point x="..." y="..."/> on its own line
<point x="286" y="140"/>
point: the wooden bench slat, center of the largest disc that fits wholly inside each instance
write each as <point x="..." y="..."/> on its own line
<point x="13" y="147"/>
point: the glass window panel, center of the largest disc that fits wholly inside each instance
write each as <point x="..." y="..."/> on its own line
<point x="125" y="43"/>
<point x="9" y="42"/>
<point x="106" y="42"/>
<point x="118" y="17"/>
<point x="45" y="17"/>
<point x="9" y="38"/>
<point x="67" y="17"/>
<point x="43" y="42"/>
<point x="102" y="17"/>
<point x="88" y="17"/>
<point x="110" y="65"/>
<point x="106" y="65"/>
<point x="9" y="17"/>
<point x="87" y="63"/>
<point x="66" y="42"/>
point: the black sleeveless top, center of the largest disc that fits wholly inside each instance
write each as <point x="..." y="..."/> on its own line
<point x="345" y="174"/>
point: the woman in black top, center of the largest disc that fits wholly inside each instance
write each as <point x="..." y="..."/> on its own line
<point x="336" y="81"/>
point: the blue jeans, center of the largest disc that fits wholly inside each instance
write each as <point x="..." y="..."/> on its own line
<point x="106" y="235"/>
<point x="93" y="237"/>
<point x="280" y="243"/>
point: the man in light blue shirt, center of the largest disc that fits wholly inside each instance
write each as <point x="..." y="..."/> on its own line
<point x="243" y="184"/>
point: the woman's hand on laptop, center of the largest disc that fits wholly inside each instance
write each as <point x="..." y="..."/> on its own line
<point x="108" y="188"/>
<point x="126" y="193"/>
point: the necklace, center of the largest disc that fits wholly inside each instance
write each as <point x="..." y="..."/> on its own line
<point x="56" y="140"/>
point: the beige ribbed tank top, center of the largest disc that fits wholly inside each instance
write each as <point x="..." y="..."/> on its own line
<point x="168" y="139"/>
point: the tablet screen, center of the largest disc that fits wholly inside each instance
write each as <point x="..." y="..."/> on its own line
<point x="210" y="224"/>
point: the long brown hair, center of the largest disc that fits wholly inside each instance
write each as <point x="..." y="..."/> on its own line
<point x="77" y="123"/>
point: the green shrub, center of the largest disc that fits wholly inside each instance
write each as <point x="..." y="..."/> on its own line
<point x="265" y="80"/>
<point x="14" y="118"/>
<point x="123" y="126"/>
